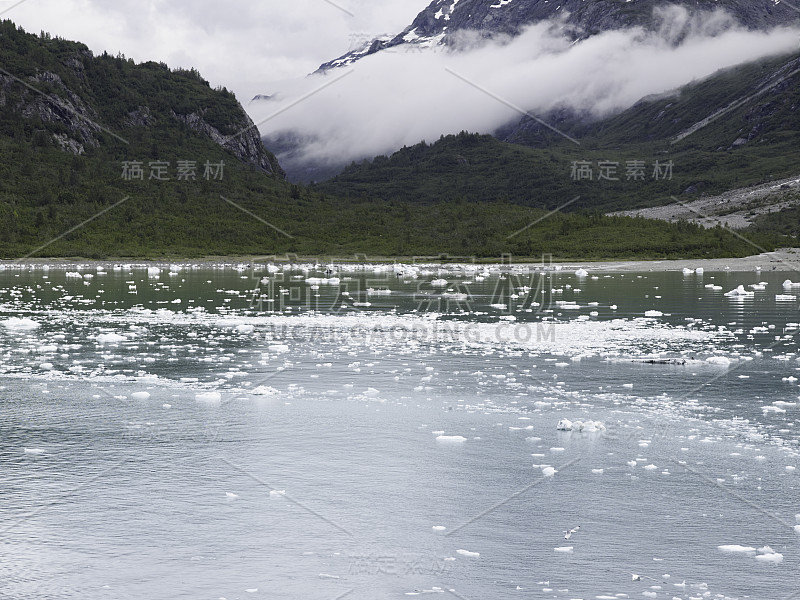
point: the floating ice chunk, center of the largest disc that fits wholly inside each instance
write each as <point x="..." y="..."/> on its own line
<point x="597" y="471"/>
<point x="654" y="313"/>
<point x="153" y="272"/>
<point x="439" y="283"/>
<point x="34" y="451"/>
<point x="564" y="425"/>
<point x="549" y="471"/>
<point x="564" y="549"/>
<point x="438" y="527"/>
<point x="46" y="366"/>
<point x="262" y="390"/>
<point x="110" y="338"/>
<point x="699" y="270"/>
<point x="455" y="296"/>
<point x="768" y="555"/>
<point x="277" y="493"/>
<point x="737" y="549"/>
<point x="775" y="558"/>
<point x="790" y="284"/>
<point x="209" y="398"/>
<point x="245" y="328"/>
<point x="21" y="324"/>
<point x="451" y="439"/>
<point x="140" y="395"/>
<point x="722" y="361"/>
<point x="650" y="467"/>
<point x="785" y="298"/>
<point x="739" y="292"/>
<point x="582" y="273"/>
<point x="613" y="307"/>
<point x="231" y="495"/>
<point x="279" y="348"/>
<point x="687" y="271"/>
<point x="468" y="554"/>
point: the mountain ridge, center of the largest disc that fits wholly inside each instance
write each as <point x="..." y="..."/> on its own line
<point x="441" y="22"/>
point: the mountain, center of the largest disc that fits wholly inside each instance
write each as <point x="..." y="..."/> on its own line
<point x="101" y="157"/>
<point x="443" y="21"/>
<point x="55" y="85"/>
<point x="737" y="128"/>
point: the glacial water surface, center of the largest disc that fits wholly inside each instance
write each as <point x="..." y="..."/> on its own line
<point x="387" y="431"/>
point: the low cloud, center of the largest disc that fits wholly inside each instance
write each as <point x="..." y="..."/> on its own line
<point x="400" y="97"/>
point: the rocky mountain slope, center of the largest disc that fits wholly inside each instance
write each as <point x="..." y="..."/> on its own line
<point x="443" y="20"/>
<point x="75" y="99"/>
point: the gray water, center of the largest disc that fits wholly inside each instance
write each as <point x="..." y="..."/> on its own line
<point x="231" y="431"/>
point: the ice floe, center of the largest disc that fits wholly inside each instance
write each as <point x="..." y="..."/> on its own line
<point x="20" y="324"/>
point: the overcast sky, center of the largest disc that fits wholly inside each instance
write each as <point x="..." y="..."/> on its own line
<point x="242" y="44"/>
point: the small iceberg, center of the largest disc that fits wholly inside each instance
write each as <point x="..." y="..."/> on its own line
<point x="722" y="361"/>
<point x="737" y="549"/>
<point x="585" y="426"/>
<point x="110" y="338"/>
<point x="582" y="273"/>
<point x="451" y="439"/>
<point x="210" y="398"/>
<point x="21" y="324"/>
<point x="768" y="555"/>
<point x="740" y="292"/>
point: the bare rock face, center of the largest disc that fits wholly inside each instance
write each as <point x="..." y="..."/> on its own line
<point x="443" y="22"/>
<point x="246" y="144"/>
<point x="62" y="106"/>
